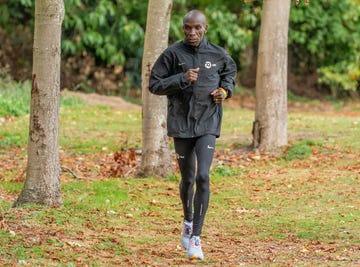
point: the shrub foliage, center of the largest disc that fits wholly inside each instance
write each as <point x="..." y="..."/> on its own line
<point x="324" y="36"/>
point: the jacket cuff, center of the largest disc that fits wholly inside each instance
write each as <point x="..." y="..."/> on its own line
<point x="229" y="91"/>
<point x="183" y="83"/>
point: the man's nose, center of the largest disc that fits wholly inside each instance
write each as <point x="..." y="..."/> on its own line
<point x="192" y="31"/>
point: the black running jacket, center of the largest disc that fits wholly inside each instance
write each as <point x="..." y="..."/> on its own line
<point x="191" y="109"/>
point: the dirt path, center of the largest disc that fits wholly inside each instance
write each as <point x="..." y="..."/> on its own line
<point x="246" y="102"/>
<point x="110" y="101"/>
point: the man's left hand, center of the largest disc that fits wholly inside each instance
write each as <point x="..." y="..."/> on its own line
<point x="218" y="96"/>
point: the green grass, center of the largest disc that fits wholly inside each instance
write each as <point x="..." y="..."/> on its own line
<point x="302" y="149"/>
<point x="14" y="98"/>
<point x="115" y="216"/>
<point x="339" y="131"/>
<point x="102" y="129"/>
<point x="97" y="195"/>
<point x="302" y="205"/>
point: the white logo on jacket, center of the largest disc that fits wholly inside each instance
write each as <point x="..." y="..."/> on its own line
<point x="208" y="65"/>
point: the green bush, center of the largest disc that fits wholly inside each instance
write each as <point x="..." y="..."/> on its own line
<point x="112" y="31"/>
<point x="324" y="36"/>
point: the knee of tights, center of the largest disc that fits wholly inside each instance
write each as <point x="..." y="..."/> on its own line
<point x="187" y="184"/>
<point x="202" y="182"/>
<point x="202" y="178"/>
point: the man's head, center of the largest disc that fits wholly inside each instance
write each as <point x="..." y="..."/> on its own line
<point x="194" y="27"/>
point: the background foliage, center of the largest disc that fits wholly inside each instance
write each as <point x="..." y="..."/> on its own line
<point x="324" y="37"/>
<point x="105" y="38"/>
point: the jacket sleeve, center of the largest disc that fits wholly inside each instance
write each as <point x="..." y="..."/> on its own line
<point x="228" y="75"/>
<point x="164" y="80"/>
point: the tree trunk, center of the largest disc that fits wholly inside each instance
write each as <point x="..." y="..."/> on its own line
<point x="155" y="142"/>
<point x="270" y="126"/>
<point x="42" y="185"/>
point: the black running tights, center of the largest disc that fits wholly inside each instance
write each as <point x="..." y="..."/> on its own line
<point x="194" y="157"/>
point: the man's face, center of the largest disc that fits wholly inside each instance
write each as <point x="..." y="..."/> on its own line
<point x="194" y="28"/>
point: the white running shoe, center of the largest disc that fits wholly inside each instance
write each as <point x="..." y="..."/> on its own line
<point x="194" y="250"/>
<point x="186" y="234"/>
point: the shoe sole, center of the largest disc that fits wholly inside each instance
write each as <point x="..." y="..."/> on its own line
<point x="195" y="258"/>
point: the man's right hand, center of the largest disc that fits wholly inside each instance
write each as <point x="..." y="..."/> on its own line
<point x="191" y="75"/>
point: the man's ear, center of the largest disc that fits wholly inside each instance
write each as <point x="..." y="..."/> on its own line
<point x="206" y="28"/>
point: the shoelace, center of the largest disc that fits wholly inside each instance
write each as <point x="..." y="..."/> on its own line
<point x="196" y="242"/>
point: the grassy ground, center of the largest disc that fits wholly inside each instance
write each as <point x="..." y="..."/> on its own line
<point x="299" y="208"/>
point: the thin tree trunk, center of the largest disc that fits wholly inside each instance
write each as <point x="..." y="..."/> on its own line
<point x="42" y="185"/>
<point x="155" y="145"/>
<point x="270" y="126"/>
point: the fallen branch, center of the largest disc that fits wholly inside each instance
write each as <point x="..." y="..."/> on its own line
<point x="66" y="169"/>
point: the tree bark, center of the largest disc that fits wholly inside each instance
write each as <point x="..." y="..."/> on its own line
<point x="270" y="125"/>
<point x="42" y="185"/>
<point x="155" y="142"/>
